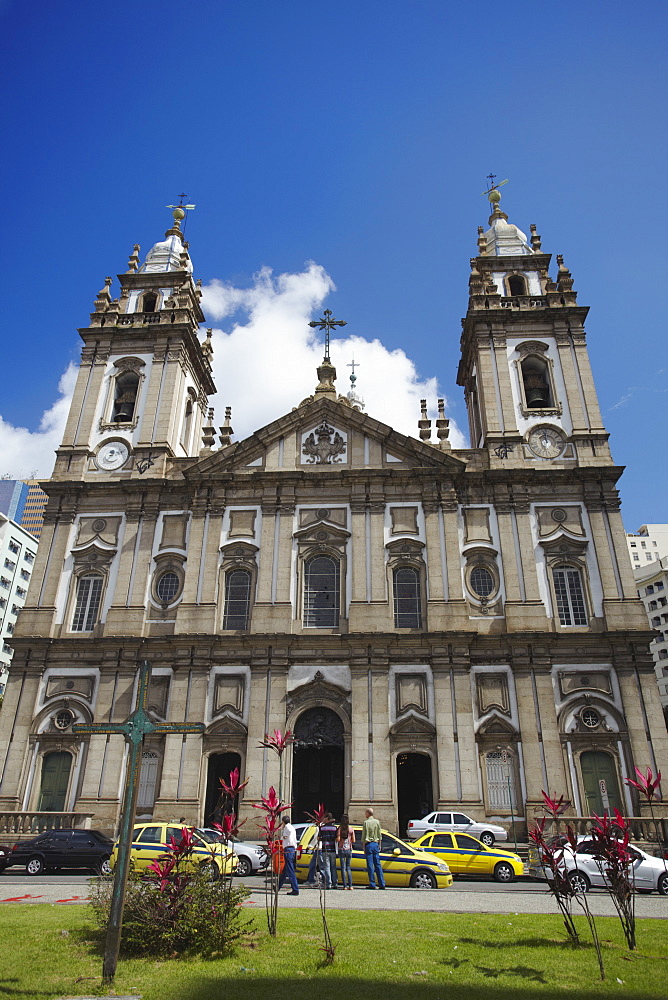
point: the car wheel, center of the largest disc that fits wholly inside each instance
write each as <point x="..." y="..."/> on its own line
<point x="487" y="838"/>
<point x="244" y="866"/>
<point x="579" y="882"/>
<point x="211" y="869"/>
<point x="423" y="880"/>
<point x="662" y="884"/>
<point x="103" y="867"/>
<point x="504" y="872"/>
<point x="35" y="866"/>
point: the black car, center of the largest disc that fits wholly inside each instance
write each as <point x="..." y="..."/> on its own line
<point x="5" y="857"/>
<point x="64" y="849"/>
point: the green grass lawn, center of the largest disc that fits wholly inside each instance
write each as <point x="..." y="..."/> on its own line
<point x="50" y="951"/>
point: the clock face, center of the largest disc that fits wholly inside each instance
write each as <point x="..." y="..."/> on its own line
<point x="546" y="442"/>
<point x="112" y="455"/>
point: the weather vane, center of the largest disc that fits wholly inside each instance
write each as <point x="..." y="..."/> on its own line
<point x="180" y="210"/>
<point x="327" y="323"/>
<point x="492" y="192"/>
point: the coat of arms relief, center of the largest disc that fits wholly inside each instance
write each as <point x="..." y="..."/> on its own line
<point x="324" y="446"/>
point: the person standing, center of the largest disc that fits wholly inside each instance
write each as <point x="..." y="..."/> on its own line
<point x="345" y="839"/>
<point x="328" y="848"/>
<point x="371" y="837"/>
<point x="289" y="839"/>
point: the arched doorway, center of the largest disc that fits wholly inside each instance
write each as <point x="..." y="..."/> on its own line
<point x="596" y="767"/>
<point x="56" y="768"/>
<point x="415" y="796"/>
<point x="220" y="766"/>
<point x="317" y="763"/>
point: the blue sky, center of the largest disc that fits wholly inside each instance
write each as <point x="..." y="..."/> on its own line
<point x="356" y="135"/>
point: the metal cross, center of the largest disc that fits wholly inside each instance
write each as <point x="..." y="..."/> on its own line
<point x="134" y="730"/>
<point x="327" y="323"/>
<point x="353" y="364"/>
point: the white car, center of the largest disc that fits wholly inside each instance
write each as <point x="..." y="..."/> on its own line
<point x="438" y="822"/>
<point x="250" y="857"/>
<point x="585" y="869"/>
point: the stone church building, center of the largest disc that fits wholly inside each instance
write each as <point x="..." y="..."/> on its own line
<point x="440" y="628"/>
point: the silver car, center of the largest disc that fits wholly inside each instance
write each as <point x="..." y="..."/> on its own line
<point x="585" y="869"/>
<point x="447" y="822"/>
<point x="250" y="857"/>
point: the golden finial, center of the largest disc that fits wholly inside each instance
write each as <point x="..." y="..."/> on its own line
<point x="492" y="192"/>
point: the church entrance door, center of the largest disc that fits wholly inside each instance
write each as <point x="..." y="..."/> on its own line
<point x="414" y="788"/>
<point x="597" y="767"/>
<point x="55" y="779"/>
<point x="220" y="766"/>
<point x="317" y="764"/>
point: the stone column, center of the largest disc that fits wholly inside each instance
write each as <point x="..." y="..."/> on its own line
<point x="360" y="791"/>
<point x="445" y="743"/>
<point x="15" y="746"/>
<point x="468" y="748"/>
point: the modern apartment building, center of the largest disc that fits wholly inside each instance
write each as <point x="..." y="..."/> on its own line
<point x="17" y="556"/>
<point x="650" y="543"/>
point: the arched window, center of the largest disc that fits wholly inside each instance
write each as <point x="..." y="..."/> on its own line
<point x="237" y="599"/>
<point x="517" y="285"/>
<point x="536" y="379"/>
<point x="87" y="607"/>
<point x="407" y="598"/>
<point x="186" y="427"/>
<point x="149" y="302"/>
<point x="125" y="397"/>
<point x="321" y="592"/>
<point x="570" y="595"/>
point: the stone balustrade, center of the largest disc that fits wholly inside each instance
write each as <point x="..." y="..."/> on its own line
<point x="22" y="824"/>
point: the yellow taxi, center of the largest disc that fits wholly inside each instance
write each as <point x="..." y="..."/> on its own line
<point x="403" y="864"/>
<point x="151" y="840"/>
<point x="467" y="856"/>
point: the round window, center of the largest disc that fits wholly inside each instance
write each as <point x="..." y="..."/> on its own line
<point x="482" y="581"/>
<point x="168" y="587"/>
<point x="590" y="718"/>
<point x="64" y="719"/>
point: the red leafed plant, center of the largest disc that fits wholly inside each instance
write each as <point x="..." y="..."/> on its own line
<point x="279" y="743"/>
<point x="650" y="788"/>
<point x="273" y="808"/>
<point x="611" y="846"/>
<point x="320" y="816"/>
<point x="551" y="857"/>
<point x="234" y="786"/>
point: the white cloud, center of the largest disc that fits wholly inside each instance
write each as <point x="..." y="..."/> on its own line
<point x="30" y="454"/>
<point x="266" y="364"/>
<point x="263" y="367"/>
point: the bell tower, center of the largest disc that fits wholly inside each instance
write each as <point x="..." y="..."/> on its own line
<point x="525" y="368"/>
<point x="142" y="393"/>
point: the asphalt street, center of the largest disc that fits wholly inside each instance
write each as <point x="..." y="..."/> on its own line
<point x="466" y="895"/>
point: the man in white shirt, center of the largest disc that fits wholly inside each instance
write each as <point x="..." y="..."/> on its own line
<point x="289" y="856"/>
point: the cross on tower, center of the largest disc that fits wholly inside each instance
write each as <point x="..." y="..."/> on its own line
<point x="133" y="729"/>
<point x="327" y="323"/>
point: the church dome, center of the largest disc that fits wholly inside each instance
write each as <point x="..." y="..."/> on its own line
<point x="166" y="256"/>
<point x="505" y="239"/>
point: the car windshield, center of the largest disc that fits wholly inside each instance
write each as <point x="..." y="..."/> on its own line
<point x="208" y="836"/>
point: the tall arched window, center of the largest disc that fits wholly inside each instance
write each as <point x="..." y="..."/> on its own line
<point x="536" y="379"/>
<point x="149" y="302"/>
<point x="407" y="598"/>
<point x="237" y="599"/>
<point x="321" y="592"/>
<point x="186" y="427"/>
<point x="125" y="397"/>
<point x="87" y="607"/>
<point x="570" y="595"/>
<point x="517" y="285"/>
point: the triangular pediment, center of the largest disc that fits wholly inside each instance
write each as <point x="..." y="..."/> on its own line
<point x="321" y="436"/>
<point x="412" y="725"/>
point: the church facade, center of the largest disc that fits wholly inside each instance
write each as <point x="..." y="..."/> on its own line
<point x="440" y="628"/>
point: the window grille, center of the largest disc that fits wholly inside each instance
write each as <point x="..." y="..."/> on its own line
<point x="500" y="781"/>
<point x="168" y="587"/>
<point x="237" y="599"/>
<point x="89" y="592"/>
<point x="570" y="597"/>
<point x="321" y="592"/>
<point x="407" y="598"/>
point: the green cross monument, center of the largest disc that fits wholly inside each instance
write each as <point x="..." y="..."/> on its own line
<point x="134" y="730"/>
